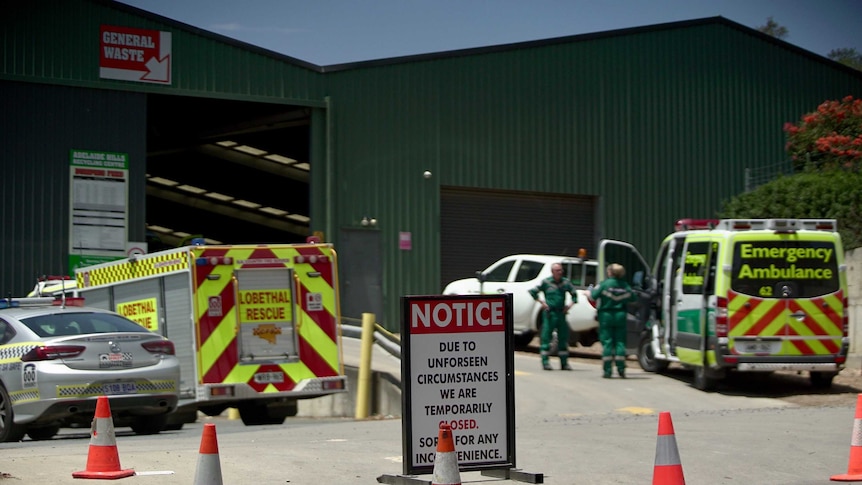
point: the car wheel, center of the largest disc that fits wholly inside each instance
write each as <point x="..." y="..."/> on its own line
<point x="646" y="357"/>
<point x="524" y="339"/>
<point x="43" y="433"/>
<point x="822" y="380"/>
<point x="9" y="431"/>
<point x="149" y="424"/>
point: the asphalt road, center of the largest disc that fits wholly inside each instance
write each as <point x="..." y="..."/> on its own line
<point x="573" y="427"/>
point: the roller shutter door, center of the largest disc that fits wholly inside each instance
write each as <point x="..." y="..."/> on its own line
<point x="478" y="227"/>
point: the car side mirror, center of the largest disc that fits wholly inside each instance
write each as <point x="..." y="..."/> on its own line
<point x="482" y="277"/>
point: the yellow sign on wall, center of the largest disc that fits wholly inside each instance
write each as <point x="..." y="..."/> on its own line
<point x="143" y="312"/>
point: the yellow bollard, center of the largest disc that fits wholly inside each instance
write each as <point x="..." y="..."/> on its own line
<point x="232" y="413"/>
<point x="363" y="388"/>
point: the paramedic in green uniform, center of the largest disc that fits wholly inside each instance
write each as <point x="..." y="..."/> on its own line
<point x="611" y="296"/>
<point x="554" y="314"/>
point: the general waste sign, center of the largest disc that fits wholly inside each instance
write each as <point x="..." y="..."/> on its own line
<point x="131" y="54"/>
<point x="458" y="369"/>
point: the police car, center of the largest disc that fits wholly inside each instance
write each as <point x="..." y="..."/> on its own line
<point x="517" y="273"/>
<point x="57" y="357"/>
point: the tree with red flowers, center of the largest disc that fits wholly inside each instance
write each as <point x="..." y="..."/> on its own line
<point x="826" y="149"/>
<point x="828" y="138"/>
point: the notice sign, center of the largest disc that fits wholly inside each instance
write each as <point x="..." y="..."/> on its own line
<point x="131" y="54"/>
<point x="458" y="369"/>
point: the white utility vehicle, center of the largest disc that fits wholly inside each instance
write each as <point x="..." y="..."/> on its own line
<point x="516" y="274"/>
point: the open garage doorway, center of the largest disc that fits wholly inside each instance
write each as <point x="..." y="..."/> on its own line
<point x="232" y="172"/>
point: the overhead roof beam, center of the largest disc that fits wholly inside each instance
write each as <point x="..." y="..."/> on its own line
<point x="234" y="212"/>
<point x="254" y="162"/>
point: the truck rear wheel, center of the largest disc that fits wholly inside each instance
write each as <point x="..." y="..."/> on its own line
<point x="147" y="425"/>
<point x="256" y="414"/>
<point x="647" y="358"/>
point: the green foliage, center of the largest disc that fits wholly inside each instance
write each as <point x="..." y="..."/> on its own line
<point x="772" y="28"/>
<point x="847" y="56"/>
<point x="830" y="194"/>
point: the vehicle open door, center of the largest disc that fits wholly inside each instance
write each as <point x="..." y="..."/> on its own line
<point x="639" y="278"/>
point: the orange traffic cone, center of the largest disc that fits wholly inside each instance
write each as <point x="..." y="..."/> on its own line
<point x="103" y="461"/>
<point x="668" y="469"/>
<point x="446" y="470"/>
<point x="854" y="468"/>
<point x="208" y="471"/>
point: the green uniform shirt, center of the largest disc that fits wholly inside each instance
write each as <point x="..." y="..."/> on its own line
<point x="612" y="295"/>
<point x="555" y="292"/>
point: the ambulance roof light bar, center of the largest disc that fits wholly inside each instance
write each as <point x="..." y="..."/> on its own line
<point x="779" y="225"/>
<point x="695" y="224"/>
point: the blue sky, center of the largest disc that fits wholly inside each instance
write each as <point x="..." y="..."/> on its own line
<point x="326" y="32"/>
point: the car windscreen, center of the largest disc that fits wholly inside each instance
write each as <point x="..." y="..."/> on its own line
<point x="784" y="269"/>
<point x="61" y="324"/>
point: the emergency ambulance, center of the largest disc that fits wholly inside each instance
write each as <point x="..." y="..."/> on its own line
<point x="745" y="295"/>
<point x="256" y="327"/>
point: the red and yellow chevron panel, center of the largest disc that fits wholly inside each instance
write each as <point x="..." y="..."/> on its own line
<point x="805" y="326"/>
<point x="314" y="313"/>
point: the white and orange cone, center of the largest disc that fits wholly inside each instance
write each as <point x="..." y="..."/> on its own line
<point x="103" y="460"/>
<point x="668" y="468"/>
<point x="854" y="467"/>
<point x="446" y="470"/>
<point x="208" y="471"/>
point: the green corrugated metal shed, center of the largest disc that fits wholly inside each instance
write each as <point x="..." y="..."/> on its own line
<point x="660" y="122"/>
<point x="657" y="123"/>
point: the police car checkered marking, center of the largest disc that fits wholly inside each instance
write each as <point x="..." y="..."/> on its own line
<point x="91" y="390"/>
<point x="24" y="396"/>
<point x="13" y="353"/>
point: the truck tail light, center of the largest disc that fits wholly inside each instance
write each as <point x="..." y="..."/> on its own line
<point x="721" y="317"/>
<point x="845" y="320"/>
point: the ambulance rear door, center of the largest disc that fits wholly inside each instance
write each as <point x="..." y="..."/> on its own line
<point x="266" y="314"/>
<point x="693" y="297"/>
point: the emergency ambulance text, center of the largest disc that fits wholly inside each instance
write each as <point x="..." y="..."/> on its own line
<point x="791" y="255"/>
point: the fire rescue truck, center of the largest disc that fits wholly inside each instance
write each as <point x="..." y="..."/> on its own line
<point x="256" y="327"/>
<point x="744" y="295"/>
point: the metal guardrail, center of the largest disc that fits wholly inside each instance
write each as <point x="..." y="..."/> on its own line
<point x="388" y="341"/>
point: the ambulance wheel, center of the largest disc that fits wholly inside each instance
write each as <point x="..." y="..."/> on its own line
<point x="702" y="380"/>
<point x="822" y="380"/>
<point x="9" y="431"/>
<point x="647" y="359"/>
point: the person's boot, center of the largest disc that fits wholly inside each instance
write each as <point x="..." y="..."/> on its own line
<point x="622" y="373"/>
<point x="564" y="365"/>
<point x="546" y="365"/>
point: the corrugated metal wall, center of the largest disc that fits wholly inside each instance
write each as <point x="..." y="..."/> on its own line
<point x="660" y="124"/>
<point x="58" y="41"/>
<point x="39" y="125"/>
